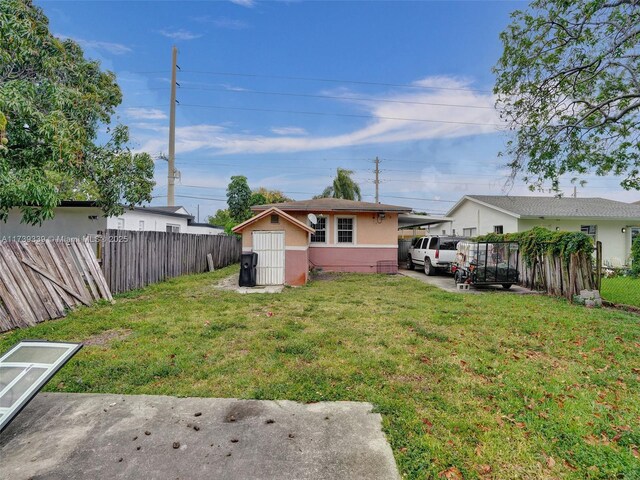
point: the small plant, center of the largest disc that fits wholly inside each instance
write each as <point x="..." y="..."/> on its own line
<point x="635" y="257"/>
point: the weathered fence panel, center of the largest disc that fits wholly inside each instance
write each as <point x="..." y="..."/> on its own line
<point x="42" y="280"/>
<point x="558" y="276"/>
<point x="132" y="260"/>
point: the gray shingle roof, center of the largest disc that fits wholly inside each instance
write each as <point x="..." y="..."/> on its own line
<point x="332" y="205"/>
<point x="562" y="207"/>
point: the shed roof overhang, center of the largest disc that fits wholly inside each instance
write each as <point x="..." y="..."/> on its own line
<point x="271" y="211"/>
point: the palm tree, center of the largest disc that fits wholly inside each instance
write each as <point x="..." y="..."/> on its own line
<point x="343" y="187"/>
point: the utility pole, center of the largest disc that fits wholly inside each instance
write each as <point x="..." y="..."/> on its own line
<point x="171" y="170"/>
<point x="377" y="180"/>
<point x="575" y="192"/>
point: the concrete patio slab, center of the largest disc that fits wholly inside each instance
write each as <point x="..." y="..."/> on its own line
<point x="78" y="436"/>
<point x="231" y="284"/>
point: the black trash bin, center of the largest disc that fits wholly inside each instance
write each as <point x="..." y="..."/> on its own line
<point x="248" y="264"/>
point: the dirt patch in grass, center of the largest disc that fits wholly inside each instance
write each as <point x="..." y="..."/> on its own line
<point x="106" y="337"/>
<point x="228" y="283"/>
<point x="321" y="276"/>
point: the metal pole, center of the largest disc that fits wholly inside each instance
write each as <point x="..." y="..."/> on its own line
<point x="171" y="169"/>
<point x="377" y="181"/>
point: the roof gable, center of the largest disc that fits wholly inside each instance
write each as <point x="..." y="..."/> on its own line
<point x="559" y="207"/>
<point x="272" y="210"/>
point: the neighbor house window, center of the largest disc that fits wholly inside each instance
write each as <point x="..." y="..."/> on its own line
<point x="120" y="225"/>
<point x="275" y="218"/>
<point x="141" y="225"/>
<point x="591" y="230"/>
<point x="635" y="232"/>
<point x="468" y="232"/>
<point x="321" y="231"/>
<point x="498" y="229"/>
<point x="172" y="228"/>
<point x="345" y="229"/>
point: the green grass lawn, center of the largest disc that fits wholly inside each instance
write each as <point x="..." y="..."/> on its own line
<point x="496" y="385"/>
<point x="625" y="290"/>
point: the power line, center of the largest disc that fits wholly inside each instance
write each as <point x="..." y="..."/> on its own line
<point x="300" y="112"/>
<point x="306" y="193"/>
<point x="331" y="97"/>
<point x="331" y="80"/>
<point x="193" y="196"/>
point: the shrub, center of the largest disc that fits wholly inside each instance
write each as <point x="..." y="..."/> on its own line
<point x="539" y="240"/>
<point x="635" y="257"/>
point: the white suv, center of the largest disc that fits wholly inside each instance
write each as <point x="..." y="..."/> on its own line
<point x="433" y="252"/>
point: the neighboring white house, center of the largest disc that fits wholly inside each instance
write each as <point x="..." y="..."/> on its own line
<point x="80" y="218"/>
<point x="613" y="223"/>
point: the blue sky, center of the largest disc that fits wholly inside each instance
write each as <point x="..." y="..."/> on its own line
<point x="284" y="92"/>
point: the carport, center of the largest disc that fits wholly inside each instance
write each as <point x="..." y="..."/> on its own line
<point x="414" y="220"/>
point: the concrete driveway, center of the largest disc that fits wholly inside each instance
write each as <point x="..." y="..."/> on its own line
<point x="86" y="436"/>
<point x="445" y="282"/>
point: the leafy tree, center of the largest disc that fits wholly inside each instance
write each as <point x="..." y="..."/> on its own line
<point x="239" y="198"/>
<point x="272" y="196"/>
<point x="54" y="101"/>
<point x="343" y="187"/>
<point x="257" y="199"/>
<point x="222" y="218"/>
<point x="568" y="84"/>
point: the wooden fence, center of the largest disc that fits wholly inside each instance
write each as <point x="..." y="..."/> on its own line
<point x="132" y="260"/>
<point x="42" y="280"/>
<point x="559" y="276"/>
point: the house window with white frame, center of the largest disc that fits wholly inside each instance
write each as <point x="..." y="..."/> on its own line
<point x="141" y="225"/>
<point x="468" y="232"/>
<point x="498" y="229"/>
<point x="173" y="228"/>
<point x="591" y="230"/>
<point x="345" y="229"/>
<point x="120" y="224"/>
<point x="321" y="231"/>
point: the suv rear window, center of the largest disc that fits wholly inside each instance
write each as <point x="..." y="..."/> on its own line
<point x="448" y="244"/>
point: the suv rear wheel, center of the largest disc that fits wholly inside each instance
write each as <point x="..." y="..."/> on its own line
<point x="428" y="268"/>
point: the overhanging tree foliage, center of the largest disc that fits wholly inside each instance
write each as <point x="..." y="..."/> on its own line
<point x="55" y="102"/>
<point x="568" y="84"/>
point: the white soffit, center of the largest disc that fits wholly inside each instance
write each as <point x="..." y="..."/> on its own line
<point x="25" y="369"/>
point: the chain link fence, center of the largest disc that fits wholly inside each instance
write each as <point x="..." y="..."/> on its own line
<point x="619" y="285"/>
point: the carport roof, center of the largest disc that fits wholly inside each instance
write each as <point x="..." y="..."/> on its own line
<point x="414" y="220"/>
<point x="270" y="211"/>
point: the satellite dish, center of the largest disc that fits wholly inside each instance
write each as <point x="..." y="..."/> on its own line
<point x="312" y="219"/>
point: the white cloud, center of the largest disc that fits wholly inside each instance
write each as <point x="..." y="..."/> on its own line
<point x="448" y="110"/>
<point x="145" y="113"/>
<point x="229" y="23"/>
<point x="180" y="34"/>
<point x="289" y="131"/>
<point x="222" y="22"/>
<point x="244" y="3"/>
<point x="110" y="47"/>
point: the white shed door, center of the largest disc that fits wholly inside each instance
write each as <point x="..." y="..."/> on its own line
<point x="270" y="249"/>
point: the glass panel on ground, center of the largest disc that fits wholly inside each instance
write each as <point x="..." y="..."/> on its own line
<point x="25" y="369"/>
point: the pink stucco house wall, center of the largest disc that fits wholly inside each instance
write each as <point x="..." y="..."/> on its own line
<point x="349" y="236"/>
